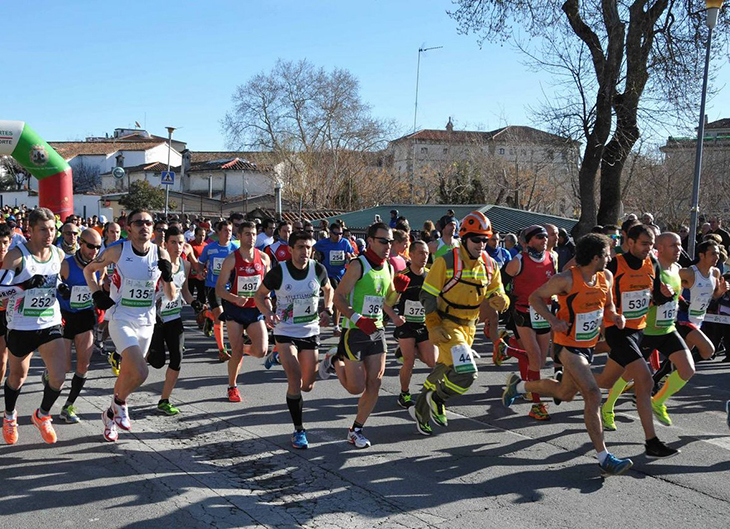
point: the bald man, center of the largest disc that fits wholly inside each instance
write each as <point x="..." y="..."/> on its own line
<point x="79" y="317"/>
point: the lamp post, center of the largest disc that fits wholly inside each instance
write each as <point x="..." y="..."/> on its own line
<point x="713" y="10"/>
<point x="169" y="154"/>
<point x="415" y="117"/>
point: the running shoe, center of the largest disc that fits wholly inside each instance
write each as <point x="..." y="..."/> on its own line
<point x="272" y="359"/>
<point x="405" y="400"/>
<point x="498" y="353"/>
<point x="68" y="414"/>
<point x="423" y="426"/>
<point x="234" y="395"/>
<point x="167" y="408"/>
<point x="438" y="410"/>
<point x="609" y="420"/>
<point x="559" y="377"/>
<point x="660" y="412"/>
<point x="45" y="427"/>
<point x="337" y="331"/>
<point x="509" y="395"/>
<point x="10" y="430"/>
<point x="114" y="361"/>
<point x="727" y="409"/>
<point x="658" y="450"/>
<point x="356" y="438"/>
<point x="398" y="355"/>
<point x="208" y="327"/>
<point x="121" y="416"/>
<point x="613" y="466"/>
<point x="224" y="355"/>
<point x="326" y="369"/>
<point x="299" y="440"/>
<point x="539" y="412"/>
<point x="110" y="427"/>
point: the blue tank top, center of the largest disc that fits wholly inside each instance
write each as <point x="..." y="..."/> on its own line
<point x="80" y="293"/>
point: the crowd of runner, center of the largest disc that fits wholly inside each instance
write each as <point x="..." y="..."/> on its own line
<point x="265" y="288"/>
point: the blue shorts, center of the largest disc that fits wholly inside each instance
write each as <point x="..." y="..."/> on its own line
<point x="242" y="315"/>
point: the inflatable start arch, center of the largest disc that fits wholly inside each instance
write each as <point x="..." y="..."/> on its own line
<point x="55" y="180"/>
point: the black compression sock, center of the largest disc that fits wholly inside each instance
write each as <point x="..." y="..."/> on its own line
<point x="11" y="397"/>
<point x="296" y="407"/>
<point x="77" y="384"/>
<point x="50" y="396"/>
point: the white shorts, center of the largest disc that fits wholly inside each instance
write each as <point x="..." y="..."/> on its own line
<point x="126" y="334"/>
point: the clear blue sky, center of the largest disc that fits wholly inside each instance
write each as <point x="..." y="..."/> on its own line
<point x="74" y="69"/>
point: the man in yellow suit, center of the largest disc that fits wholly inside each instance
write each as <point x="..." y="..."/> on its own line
<point x="455" y="287"/>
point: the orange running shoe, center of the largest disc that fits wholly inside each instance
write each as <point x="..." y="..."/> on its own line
<point x="10" y="430"/>
<point x="539" y="412"/>
<point x="234" y="395"/>
<point x="46" y="428"/>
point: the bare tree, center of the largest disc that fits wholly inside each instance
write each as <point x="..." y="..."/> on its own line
<point x="85" y="177"/>
<point x="312" y="120"/>
<point x="638" y="52"/>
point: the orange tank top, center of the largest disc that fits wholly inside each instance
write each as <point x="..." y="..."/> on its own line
<point x="582" y="308"/>
<point x="631" y="292"/>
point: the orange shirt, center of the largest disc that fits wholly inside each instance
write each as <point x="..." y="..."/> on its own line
<point x="631" y="292"/>
<point x="582" y="308"/>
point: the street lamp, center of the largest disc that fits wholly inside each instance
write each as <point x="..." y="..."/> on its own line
<point x="415" y="117"/>
<point x="713" y="10"/>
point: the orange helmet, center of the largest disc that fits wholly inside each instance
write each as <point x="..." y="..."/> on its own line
<point x="475" y="223"/>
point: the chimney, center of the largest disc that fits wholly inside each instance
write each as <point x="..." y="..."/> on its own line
<point x="120" y="160"/>
<point x="450" y="125"/>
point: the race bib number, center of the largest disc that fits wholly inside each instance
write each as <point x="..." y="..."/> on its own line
<point x="138" y="293"/>
<point x="665" y="314"/>
<point x="698" y="307"/>
<point x="723" y="319"/>
<point x="337" y="257"/>
<point x="372" y="306"/>
<point x="587" y="325"/>
<point x="463" y="359"/>
<point x="217" y="265"/>
<point x="305" y="310"/>
<point x="39" y="302"/>
<point x="81" y="297"/>
<point x="171" y="308"/>
<point x="414" y="312"/>
<point x="537" y="321"/>
<point x="635" y="304"/>
<point x="247" y="286"/>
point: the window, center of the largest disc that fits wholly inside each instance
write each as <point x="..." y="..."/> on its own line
<point x="501" y="151"/>
<point x="446" y="150"/>
<point x="424" y="150"/>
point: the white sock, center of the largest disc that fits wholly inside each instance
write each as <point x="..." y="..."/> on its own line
<point x="12" y="415"/>
<point x="521" y="387"/>
<point x="602" y="456"/>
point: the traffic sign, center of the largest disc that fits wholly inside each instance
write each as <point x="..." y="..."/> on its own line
<point x="167" y="178"/>
<point x="118" y="172"/>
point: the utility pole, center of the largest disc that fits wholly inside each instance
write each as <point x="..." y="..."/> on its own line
<point x="415" y="118"/>
<point x="169" y="154"/>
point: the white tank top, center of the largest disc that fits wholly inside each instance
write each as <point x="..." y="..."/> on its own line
<point x="296" y="304"/>
<point x="169" y="310"/>
<point x="36" y="308"/>
<point x="133" y="286"/>
<point x="700" y="295"/>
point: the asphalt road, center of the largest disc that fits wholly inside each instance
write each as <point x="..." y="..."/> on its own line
<point x="220" y="464"/>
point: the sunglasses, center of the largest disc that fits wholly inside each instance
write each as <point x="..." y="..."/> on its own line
<point x="383" y="240"/>
<point x="480" y="240"/>
<point x="540" y="236"/>
<point x="336" y="232"/>
<point x="615" y="237"/>
<point x="140" y="222"/>
<point x="92" y="246"/>
<point x="74" y="233"/>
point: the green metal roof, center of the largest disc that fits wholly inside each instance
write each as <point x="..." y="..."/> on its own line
<point x="503" y="219"/>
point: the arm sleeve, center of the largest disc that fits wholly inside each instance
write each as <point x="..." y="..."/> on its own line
<point x="273" y="278"/>
<point x="432" y="286"/>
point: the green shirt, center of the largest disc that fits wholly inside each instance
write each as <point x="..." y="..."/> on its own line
<point x="660" y="320"/>
<point x="368" y="296"/>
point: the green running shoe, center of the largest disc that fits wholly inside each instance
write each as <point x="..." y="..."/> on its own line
<point x="609" y="423"/>
<point x="405" y="400"/>
<point x="68" y="414"/>
<point x="167" y="408"/>
<point x="438" y="411"/>
<point x="422" y="425"/>
<point x="660" y="412"/>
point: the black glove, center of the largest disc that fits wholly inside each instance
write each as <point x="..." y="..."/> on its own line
<point x="102" y="300"/>
<point x="197" y="306"/>
<point x="64" y="291"/>
<point x="36" y="281"/>
<point x="165" y="267"/>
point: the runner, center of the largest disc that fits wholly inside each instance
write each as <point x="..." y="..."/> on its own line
<point x="360" y="358"/>
<point x="452" y="293"/>
<point x="112" y="236"/>
<point x="196" y="279"/>
<point x="335" y="252"/>
<point x="79" y="317"/>
<point x="29" y="276"/>
<point x="266" y="237"/>
<point x="160" y="228"/>
<point x="637" y="282"/>
<point x="212" y="257"/>
<point x="130" y="309"/>
<point x="410" y="321"/>
<point x="242" y="272"/>
<point x="278" y="251"/>
<point x="447" y="241"/>
<point x="528" y="271"/>
<point x="584" y="296"/>
<point x="169" y="333"/>
<point x="6" y="238"/>
<point x="68" y="241"/>
<point x="296" y="324"/>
